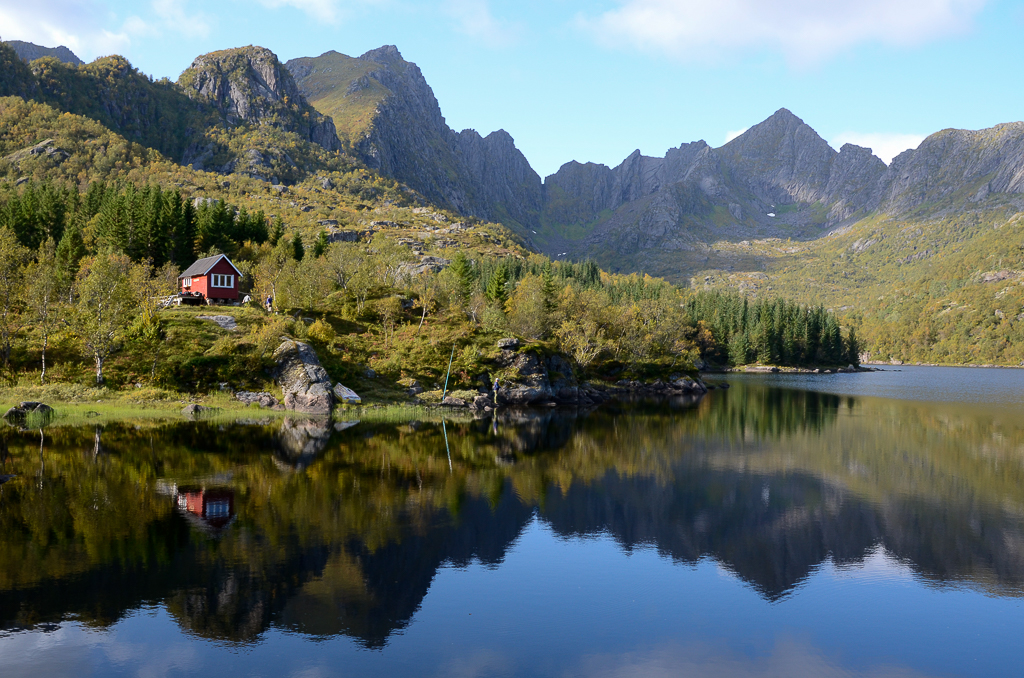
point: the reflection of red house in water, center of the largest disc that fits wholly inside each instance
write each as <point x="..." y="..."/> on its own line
<point x="211" y="509"/>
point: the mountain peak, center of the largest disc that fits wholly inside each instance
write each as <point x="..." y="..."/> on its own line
<point x="784" y="114"/>
<point x="30" y="52"/>
<point x="250" y="84"/>
<point x="385" y="55"/>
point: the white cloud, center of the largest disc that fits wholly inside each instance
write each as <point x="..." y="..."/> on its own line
<point x="474" y="18"/>
<point x="174" y="15"/>
<point x="885" y="146"/>
<point x="787" y="657"/>
<point x="323" y="10"/>
<point x="72" y="23"/>
<point x="729" y="136"/>
<point x="805" y="31"/>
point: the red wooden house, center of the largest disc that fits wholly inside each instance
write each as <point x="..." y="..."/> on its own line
<point x="215" y="278"/>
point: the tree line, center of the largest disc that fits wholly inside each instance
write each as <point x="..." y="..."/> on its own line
<point x="94" y="263"/>
<point x="145" y="223"/>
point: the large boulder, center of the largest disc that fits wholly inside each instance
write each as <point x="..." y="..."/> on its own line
<point x="18" y="413"/>
<point x="302" y="378"/>
<point x="530" y="386"/>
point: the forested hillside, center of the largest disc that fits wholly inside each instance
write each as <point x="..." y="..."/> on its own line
<point x="94" y="228"/>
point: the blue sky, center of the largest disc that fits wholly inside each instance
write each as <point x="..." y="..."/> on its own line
<point x="592" y="81"/>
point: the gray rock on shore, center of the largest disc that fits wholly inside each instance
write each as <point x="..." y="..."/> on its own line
<point x="262" y="398"/>
<point x="343" y="394"/>
<point x="303" y="380"/>
<point x="24" y="408"/>
<point x="194" y="411"/>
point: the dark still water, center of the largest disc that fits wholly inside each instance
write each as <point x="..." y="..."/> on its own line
<point x="769" y="530"/>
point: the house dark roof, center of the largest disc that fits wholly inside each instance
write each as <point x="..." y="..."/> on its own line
<point x="203" y="266"/>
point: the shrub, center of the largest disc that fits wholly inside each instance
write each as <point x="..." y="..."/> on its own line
<point x="321" y="332"/>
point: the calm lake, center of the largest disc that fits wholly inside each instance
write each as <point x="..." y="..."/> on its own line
<point x="793" y="525"/>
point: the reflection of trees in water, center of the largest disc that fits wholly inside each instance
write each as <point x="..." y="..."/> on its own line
<point x="770" y="412"/>
<point x="342" y="531"/>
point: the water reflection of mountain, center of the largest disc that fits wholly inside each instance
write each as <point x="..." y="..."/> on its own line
<point x="325" y="531"/>
<point x="773" y="531"/>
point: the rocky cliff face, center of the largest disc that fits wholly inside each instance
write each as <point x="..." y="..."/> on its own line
<point x="388" y="113"/>
<point x="976" y="162"/>
<point x="778" y="179"/>
<point x="30" y="52"/>
<point x="249" y="85"/>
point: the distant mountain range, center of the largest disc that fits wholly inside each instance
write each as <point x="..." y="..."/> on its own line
<point x="779" y="179"/>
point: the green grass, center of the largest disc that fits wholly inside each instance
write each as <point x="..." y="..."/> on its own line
<point x="326" y="91"/>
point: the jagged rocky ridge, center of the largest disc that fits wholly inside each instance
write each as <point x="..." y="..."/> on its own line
<point x="390" y="117"/>
<point x="30" y="52"/>
<point x="778" y="179"/>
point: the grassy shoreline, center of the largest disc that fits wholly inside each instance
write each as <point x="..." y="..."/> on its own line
<point x="121" y="406"/>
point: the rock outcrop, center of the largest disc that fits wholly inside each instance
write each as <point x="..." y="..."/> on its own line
<point x="985" y="161"/>
<point x="778" y="179"/>
<point x="536" y="381"/>
<point x="250" y="85"/>
<point x="302" y="378"/>
<point x="46" y="148"/>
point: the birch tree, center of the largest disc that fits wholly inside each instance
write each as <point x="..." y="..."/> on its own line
<point x="44" y="295"/>
<point x="106" y="306"/>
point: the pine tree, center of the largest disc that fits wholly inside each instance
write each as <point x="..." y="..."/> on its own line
<point x="183" y="214"/>
<point x="298" y="251"/>
<point x="70" y="251"/>
<point x="113" y="227"/>
<point x="548" y="290"/>
<point x="277" y="231"/>
<point x="320" y="246"/>
<point x="739" y="349"/>
<point x="463" y="272"/>
<point x="497" y="291"/>
<point x="158" y="236"/>
<point x="94" y="197"/>
<point x="853" y="348"/>
<point x="215" y="226"/>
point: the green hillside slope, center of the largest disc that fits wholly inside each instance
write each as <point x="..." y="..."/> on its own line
<point x="339" y="86"/>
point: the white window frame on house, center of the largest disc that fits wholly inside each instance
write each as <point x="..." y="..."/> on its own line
<point x="222" y="280"/>
<point x="187" y="282"/>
